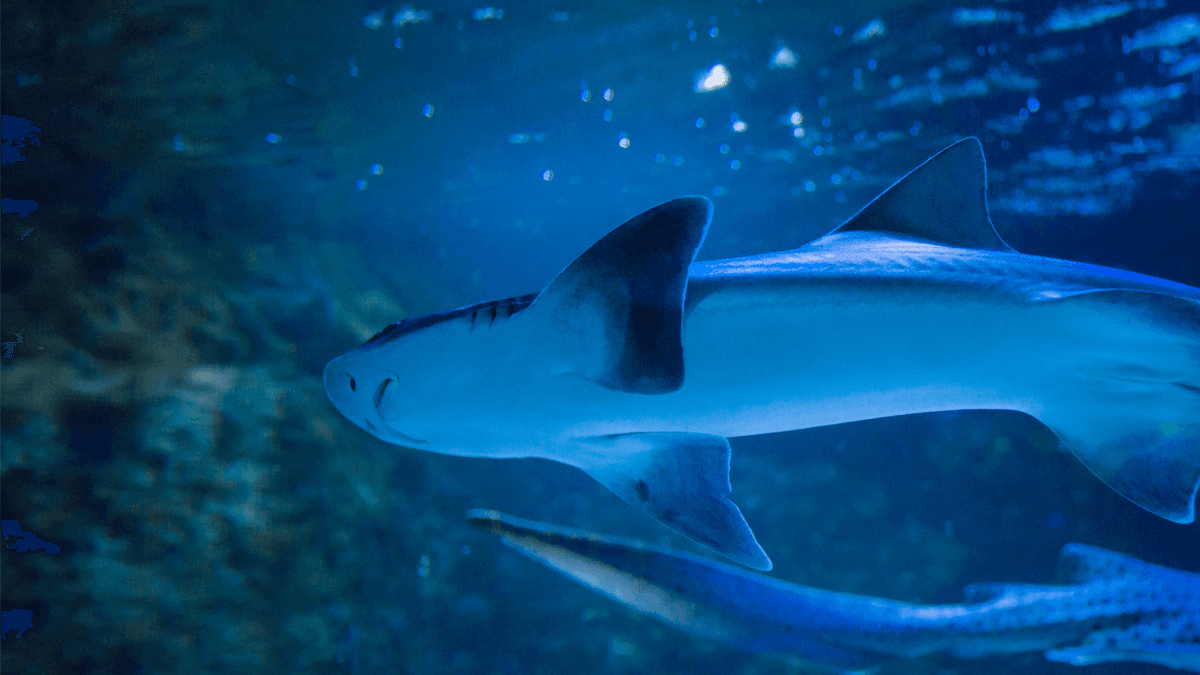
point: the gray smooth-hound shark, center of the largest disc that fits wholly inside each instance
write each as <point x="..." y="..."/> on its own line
<point x="1111" y="608"/>
<point x="636" y="363"/>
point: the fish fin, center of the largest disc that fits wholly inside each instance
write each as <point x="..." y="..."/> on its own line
<point x="943" y="200"/>
<point x="1080" y="564"/>
<point x="1134" y="419"/>
<point x="1151" y="639"/>
<point x="1185" y="657"/>
<point x="682" y="480"/>
<point x="1154" y="463"/>
<point x="619" y="307"/>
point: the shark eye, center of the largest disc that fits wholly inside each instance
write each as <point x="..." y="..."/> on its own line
<point x="353" y="387"/>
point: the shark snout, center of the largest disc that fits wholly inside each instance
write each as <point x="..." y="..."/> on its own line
<point x="346" y="392"/>
<point x="361" y="397"/>
<point x="338" y="383"/>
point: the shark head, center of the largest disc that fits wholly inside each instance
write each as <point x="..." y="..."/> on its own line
<point x="414" y="372"/>
<point x="519" y="378"/>
<point x="359" y="385"/>
<point x="460" y="381"/>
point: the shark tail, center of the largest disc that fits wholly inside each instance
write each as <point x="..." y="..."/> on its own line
<point x="1133" y="414"/>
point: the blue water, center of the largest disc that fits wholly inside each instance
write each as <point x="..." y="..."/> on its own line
<point x="226" y="197"/>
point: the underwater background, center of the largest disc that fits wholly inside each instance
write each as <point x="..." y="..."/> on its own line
<point x="204" y="202"/>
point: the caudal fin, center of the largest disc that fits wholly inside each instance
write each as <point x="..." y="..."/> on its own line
<point x="683" y="481"/>
<point x="1132" y="416"/>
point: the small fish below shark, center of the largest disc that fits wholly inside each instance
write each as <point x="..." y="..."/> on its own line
<point x="637" y="363"/>
<point x="1110" y="607"/>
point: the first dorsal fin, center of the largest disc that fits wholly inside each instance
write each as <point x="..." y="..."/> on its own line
<point x="944" y="200"/>
<point x="618" y="309"/>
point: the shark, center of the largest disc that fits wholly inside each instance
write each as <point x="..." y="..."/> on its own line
<point x="1110" y="607"/>
<point x="637" y="362"/>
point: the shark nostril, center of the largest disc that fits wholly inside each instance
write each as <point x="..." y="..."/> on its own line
<point x="353" y="386"/>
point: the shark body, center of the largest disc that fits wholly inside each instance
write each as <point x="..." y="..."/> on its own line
<point x="636" y="363"/>
<point x="1110" y="608"/>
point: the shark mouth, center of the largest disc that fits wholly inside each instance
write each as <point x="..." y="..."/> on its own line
<point x="379" y="392"/>
<point x="392" y="436"/>
<point x="377" y="399"/>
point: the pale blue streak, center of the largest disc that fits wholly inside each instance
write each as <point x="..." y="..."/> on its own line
<point x="1111" y="607"/>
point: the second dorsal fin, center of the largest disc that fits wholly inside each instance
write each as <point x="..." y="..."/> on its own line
<point x="943" y="200"/>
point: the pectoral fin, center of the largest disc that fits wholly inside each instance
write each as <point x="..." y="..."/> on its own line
<point x="683" y="481"/>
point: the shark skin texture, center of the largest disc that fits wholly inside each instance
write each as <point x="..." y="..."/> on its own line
<point x="637" y="363"/>
<point x="1110" y="607"/>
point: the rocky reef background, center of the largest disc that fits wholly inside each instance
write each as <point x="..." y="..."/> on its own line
<point x="164" y="422"/>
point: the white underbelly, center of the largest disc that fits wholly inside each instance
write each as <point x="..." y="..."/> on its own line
<point x="792" y="360"/>
<point x="793" y="363"/>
